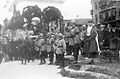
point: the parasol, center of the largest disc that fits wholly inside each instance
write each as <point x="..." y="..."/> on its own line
<point x="52" y="14"/>
<point x="31" y="11"/>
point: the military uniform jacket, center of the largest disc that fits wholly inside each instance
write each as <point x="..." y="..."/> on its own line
<point x="77" y="38"/>
<point x="71" y="38"/>
<point x="67" y="36"/>
<point x="49" y="45"/>
<point x="60" y="46"/>
<point x="41" y="44"/>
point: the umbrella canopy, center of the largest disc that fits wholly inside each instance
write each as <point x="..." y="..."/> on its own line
<point x="52" y="14"/>
<point x="31" y="11"/>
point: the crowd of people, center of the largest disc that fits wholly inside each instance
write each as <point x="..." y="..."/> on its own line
<point x="74" y="40"/>
<point x="86" y="41"/>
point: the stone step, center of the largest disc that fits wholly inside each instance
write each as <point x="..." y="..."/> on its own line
<point x="75" y="70"/>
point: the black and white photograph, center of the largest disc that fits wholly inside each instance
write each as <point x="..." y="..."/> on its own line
<point x="59" y="39"/>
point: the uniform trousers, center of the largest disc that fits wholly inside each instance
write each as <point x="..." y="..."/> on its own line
<point x="71" y="49"/>
<point x="60" y="57"/>
<point x="43" y="54"/>
<point x="76" y="51"/>
<point x="68" y="49"/>
<point x="51" y="56"/>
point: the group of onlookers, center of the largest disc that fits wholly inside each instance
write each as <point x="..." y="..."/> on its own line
<point x="86" y="40"/>
<point x="54" y="45"/>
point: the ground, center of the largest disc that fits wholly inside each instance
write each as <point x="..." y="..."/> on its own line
<point x="99" y="70"/>
<point x="14" y="70"/>
<point x="114" y="65"/>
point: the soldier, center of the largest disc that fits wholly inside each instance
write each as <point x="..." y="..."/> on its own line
<point x="50" y="51"/>
<point x="100" y="36"/>
<point x="71" y="38"/>
<point x="67" y="36"/>
<point x="42" y="51"/>
<point x="1" y="58"/>
<point x="31" y="50"/>
<point x="60" y="48"/>
<point x="77" y="41"/>
<point x="25" y="51"/>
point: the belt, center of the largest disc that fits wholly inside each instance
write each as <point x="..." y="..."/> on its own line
<point x="60" y="46"/>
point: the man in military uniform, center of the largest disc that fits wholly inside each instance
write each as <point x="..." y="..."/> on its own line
<point x="42" y="49"/>
<point x="67" y="36"/>
<point x="50" y="51"/>
<point x="71" y="38"/>
<point x="60" y="48"/>
<point x="25" y="51"/>
<point x="77" y="41"/>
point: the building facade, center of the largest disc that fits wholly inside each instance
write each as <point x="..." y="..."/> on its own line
<point x="105" y="11"/>
<point x="95" y="11"/>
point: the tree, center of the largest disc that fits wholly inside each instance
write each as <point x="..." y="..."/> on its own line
<point x="15" y="23"/>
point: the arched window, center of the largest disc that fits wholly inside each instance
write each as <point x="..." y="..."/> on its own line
<point x="95" y="5"/>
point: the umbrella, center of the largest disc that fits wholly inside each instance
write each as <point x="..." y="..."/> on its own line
<point x="52" y="14"/>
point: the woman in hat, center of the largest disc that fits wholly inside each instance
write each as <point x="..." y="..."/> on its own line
<point x="90" y="47"/>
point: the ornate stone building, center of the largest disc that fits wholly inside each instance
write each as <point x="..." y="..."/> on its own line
<point x="95" y="11"/>
<point x="105" y="11"/>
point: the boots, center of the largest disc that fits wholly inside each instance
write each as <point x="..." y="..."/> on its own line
<point x="44" y="61"/>
<point x="40" y="62"/>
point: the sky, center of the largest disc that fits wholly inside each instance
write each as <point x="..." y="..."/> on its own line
<point x="69" y="9"/>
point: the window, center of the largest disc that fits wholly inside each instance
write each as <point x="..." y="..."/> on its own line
<point x="119" y="14"/>
<point x="101" y="18"/>
<point x="95" y="5"/>
<point x="96" y="18"/>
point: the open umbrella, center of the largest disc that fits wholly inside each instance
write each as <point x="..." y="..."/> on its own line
<point x="52" y="14"/>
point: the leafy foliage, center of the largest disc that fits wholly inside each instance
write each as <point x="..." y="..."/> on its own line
<point x="16" y="22"/>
